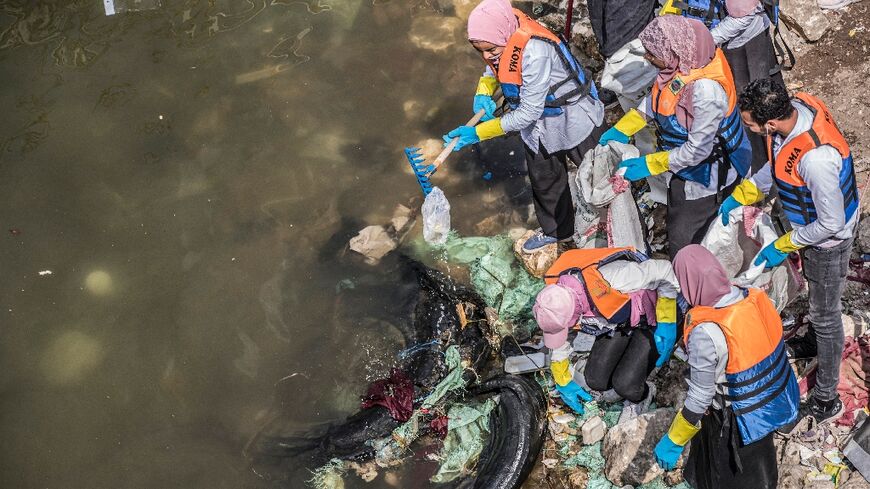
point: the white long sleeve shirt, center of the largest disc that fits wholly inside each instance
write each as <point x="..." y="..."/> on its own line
<point x="710" y="107"/>
<point x="734" y="32"/>
<point x="820" y="169"/>
<point x="542" y="68"/>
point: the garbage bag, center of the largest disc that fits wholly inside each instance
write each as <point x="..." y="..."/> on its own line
<point x="736" y="245"/>
<point x="436" y="217"/>
<point x="600" y="188"/>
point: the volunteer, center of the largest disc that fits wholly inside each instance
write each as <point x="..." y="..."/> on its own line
<point x="553" y="101"/>
<point x="811" y="164"/>
<point x="741" y="387"/>
<point x="702" y="142"/>
<point x="745" y="39"/>
<point x="628" y="303"/>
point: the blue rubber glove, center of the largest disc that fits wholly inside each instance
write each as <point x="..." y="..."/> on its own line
<point x="486" y="103"/>
<point x="572" y="394"/>
<point x="727" y="206"/>
<point x="635" y="168"/>
<point x="667" y="453"/>
<point x="466" y="134"/>
<point x="613" y="134"/>
<point x="665" y="336"/>
<point x="771" y="255"/>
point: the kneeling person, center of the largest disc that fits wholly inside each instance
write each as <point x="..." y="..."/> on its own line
<point x="628" y="302"/>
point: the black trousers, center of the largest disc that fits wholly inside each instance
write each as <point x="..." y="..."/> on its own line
<point x="754" y="61"/>
<point x="688" y="220"/>
<point x="718" y="459"/>
<point x="622" y="362"/>
<point x="548" y="173"/>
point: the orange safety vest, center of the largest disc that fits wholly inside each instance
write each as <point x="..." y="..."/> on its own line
<point x="761" y="386"/>
<point x="797" y="201"/>
<point x="731" y="140"/>
<point x="510" y="68"/>
<point x="609" y="302"/>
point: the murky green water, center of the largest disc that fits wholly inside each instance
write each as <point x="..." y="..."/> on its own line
<point x="172" y="184"/>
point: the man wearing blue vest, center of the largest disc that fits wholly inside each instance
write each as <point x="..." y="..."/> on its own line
<point x="811" y="164"/>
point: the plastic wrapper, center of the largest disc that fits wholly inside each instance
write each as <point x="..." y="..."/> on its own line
<point x="436" y="217"/>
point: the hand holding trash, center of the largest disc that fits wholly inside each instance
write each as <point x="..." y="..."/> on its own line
<point x="746" y="193"/>
<point x="573" y="396"/>
<point x="645" y="166"/>
<point x="776" y="252"/>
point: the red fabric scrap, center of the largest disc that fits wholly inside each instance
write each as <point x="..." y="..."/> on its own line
<point x="854" y="386"/>
<point x="619" y="184"/>
<point x="395" y="393"/>
<point x="439" y="426"/>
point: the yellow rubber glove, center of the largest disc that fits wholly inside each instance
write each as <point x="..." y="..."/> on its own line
<point x="668" y="8"/>
<point x="489" y="129"/>
<point x="785" y="243"/>
<point x="657" y="162"/>
<point x="561" y="371"/>
<point x="486" y="85"/>
<point x="630" y="123"/>
<point x="666" y="310"/>
<point x="681" y="431"/>
<point x="747" y="193"/>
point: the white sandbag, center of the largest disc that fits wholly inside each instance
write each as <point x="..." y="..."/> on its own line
<point x="436" y="217"/>
<point x="601" y="189"/>
<point x="737" y="245"/>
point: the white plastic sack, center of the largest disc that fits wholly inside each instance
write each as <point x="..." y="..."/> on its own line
<point x="609" y="196"/>
<point x="627" y="72"/>
<point x="737" y="245"/>
<point x="436" y="217"/>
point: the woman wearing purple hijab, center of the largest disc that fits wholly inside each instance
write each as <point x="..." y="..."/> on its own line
<point x="701" y="141"/>
<point x="554" y="106"/>
<point x="741" y="387"/>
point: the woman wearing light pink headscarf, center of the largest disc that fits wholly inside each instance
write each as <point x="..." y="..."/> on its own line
<point x="626" y="350"/>
<point x="554" y="107"/>
<point x="733" y="338"/>
<point x="702" y="145"/>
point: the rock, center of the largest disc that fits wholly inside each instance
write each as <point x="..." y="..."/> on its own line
<point x="373" y="242"/>
<point x="863" y="240"/>
<point x="628" y="448"/>
<point x="805" y="17"/>
<point x="855" y="481"/>
<point x="671" y="385"/>
<point x="791" y="476"/>
<point x="577" y="479"/>
<point x="673" y="477"/>
<point x="854" y="327"/>
<point x="540" y="261"/>
<point x="593" y="430"/>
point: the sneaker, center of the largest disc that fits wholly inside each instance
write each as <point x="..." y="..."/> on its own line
<point x="822" y="412"/>
<point x="608" y="98"/>
<point x="801" y="347"/>
<point x="834" y="4"/>
<point x="631" y="410"/>
<point x="539" y="240"/>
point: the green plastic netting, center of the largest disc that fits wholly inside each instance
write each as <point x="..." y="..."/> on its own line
<point x="496" y="274"/>
<point x="467" y="427"/>
<point x="329" y="476"/>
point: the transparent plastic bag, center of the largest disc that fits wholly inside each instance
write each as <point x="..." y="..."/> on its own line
<point x="436" y="217"/>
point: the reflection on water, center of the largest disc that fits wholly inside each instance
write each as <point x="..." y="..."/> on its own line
<point x="188" y="175"/>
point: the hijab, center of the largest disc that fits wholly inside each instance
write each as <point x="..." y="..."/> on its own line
<point x="702" y="279"/>
<point x="683" y="44"/>
<point x="492" y="21"/>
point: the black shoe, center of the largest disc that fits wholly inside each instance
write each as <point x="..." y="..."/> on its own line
<point x="822" y="412"/>
<point x="608" y="98"/>
<point x="801" y="347"/>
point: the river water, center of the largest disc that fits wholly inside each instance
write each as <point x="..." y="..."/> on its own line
<point x="175" y="182"/>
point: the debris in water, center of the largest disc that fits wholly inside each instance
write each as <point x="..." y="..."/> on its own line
<point x="44" y="272"/>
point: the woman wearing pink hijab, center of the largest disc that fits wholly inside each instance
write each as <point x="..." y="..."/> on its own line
<point x="554" y="106"/>
<point x="702" y="143"/>
<point x="741" y="387"/>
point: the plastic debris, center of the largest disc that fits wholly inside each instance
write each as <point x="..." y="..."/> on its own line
<point x="328" y="476"/>
<point x="466" y="438"/>
<point x="113" y="7"/>
<point x="436" y="217"/>
<point x="395" y="393"/>
<point x="373" y="242"/>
